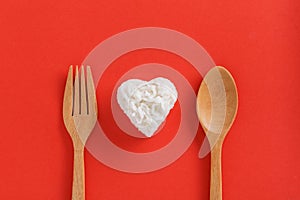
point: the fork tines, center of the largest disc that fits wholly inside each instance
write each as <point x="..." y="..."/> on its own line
<point x="83" y="92"/>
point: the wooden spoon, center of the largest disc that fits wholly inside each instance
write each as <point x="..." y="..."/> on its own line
<point x="217" y="103"/>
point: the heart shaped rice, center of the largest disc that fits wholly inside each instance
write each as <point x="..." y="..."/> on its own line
<point x="147" y="104"/>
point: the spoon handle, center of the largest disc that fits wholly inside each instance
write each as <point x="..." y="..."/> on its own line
<point x="216" y="173"/>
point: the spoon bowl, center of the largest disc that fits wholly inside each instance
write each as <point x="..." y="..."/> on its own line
<point x="217" y="103"/>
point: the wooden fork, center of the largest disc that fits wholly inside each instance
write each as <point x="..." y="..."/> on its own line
<point x="80" y="116"/>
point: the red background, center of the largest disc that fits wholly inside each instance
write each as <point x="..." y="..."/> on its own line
<point x="258" y="41"/>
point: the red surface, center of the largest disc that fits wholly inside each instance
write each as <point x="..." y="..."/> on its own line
<point x="258" y="41"/>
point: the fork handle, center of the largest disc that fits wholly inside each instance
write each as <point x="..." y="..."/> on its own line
<point x="78" y="188"/>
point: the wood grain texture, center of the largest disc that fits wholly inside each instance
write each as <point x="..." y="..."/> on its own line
<point x="78" y="188"/>
<point x="79" y="122"/>
<point x="216" y="76"/>
<point x="216" y="173"/>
